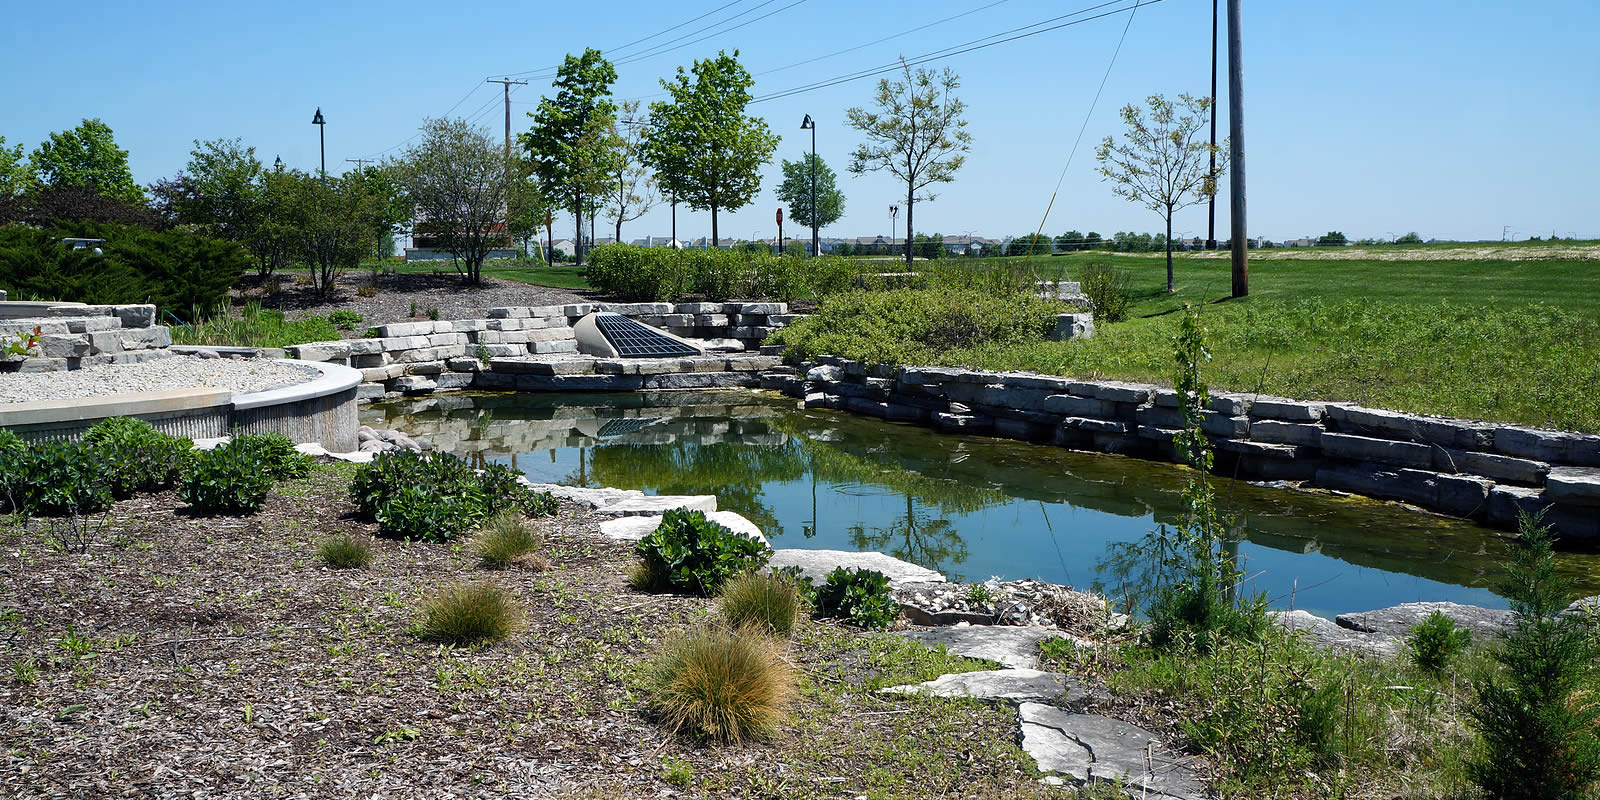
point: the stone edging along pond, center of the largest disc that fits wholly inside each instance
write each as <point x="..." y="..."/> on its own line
<point x="1486" y="472"/>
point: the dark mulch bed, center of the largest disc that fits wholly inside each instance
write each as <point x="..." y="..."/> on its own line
<point x="397" y="294"/>
<point x="177" y="655"/>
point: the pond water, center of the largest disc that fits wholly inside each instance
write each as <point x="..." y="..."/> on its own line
<point x="970" y="507"/>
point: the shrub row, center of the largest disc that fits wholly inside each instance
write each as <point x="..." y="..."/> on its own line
<point x="659" y="274"/>
<point x="438" y="497"/>
<point x="173" y="269"/>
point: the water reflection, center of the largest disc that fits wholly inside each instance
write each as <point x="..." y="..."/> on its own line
<point x="969" y="507"/>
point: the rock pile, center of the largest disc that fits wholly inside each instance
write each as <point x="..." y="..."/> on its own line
<point x="379" y="441"/>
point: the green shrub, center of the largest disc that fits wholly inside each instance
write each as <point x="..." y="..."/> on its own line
<point x="138" y="457"/>
<point x="344" y="320"/>
<point x="860" y="596"/>
<point x="469" y="614"/>
<point x="765" y="602"/>
<point x="1538" y="717"/>
<point x="508" y="538"/>
<point x="437" y="497"/>
<point x="173" y="269"/>
<point x="723" y="685"/>
<point x="663" y="274"/>
<point x="55" y="478"/>
<point x="1107" y="290"/>
<point x="345" y="552"/>
<point x="231" y="478"/>
<point x="690" y="553"/>
<point x="1435" y="643"/>
<point x="916" y="326"/>
<point x="276" y="451"/>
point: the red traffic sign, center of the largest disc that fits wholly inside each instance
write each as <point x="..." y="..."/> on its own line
<point x="780" y="216"/>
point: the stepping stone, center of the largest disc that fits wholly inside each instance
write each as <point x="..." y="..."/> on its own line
<point x="1008" y="645"/>
<point x="1325" y="633"/>
<point x="1011" y="685"/>
<point x="1090" y="747"/>
<point x="816" y="564"/>
<point x="632" y="529"/>
<point x="646" y="505"/>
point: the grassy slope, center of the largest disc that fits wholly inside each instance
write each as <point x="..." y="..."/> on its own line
<point x="1504" y="333"/>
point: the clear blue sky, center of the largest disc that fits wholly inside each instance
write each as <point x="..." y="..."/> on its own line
<point x="1449" y="118"/>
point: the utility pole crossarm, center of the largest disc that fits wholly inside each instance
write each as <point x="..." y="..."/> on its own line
<point x="507" y="83"/>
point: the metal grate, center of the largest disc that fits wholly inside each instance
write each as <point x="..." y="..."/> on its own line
<point x="634" y="340"/>
<point x="624" y="426"/>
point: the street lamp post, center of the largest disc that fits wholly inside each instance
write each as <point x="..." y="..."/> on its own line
<point x="894" y="214"/>
<point x="277" y="163"/>
<point x="322" y="137"/>
<point x="780" y="231"/>
<point x="811" y="125"/>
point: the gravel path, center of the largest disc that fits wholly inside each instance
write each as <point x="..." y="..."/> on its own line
<point x="177" y="372"/>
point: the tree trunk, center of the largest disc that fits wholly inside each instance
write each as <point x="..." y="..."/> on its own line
<point x="1169" y="250"/>
<point x="619" y="230"/>
<point x="910" y="198"/>
<point x="577" y="225"/>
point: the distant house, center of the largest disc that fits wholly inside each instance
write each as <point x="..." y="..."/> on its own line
<point x="968" y="245"/>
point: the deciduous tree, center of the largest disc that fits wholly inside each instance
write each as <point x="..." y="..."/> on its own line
<point x="571" y="146"/>
<point x="795" y="192"/>
<point x="1163" y="161"/>
<point x="15" y="174"/>
<point x="917" y="133"/>
<point x="460" y="183"/>
<point x="86" y="157"/>
<point x="705" y="150"/>
<point x="632" y="190"/>
<point x="331" y="222"/>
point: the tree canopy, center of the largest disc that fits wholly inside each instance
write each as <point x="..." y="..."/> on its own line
<point x="795" y="192"/>
<point x="86" y="157"/>
<point x="15" y="174"/>
<point x="705" y="150"/>
<point x="461" y="184"/>
<point x="1163" y="160"/>
<point x="571" y="146"/>
<point x="917" y="133"/>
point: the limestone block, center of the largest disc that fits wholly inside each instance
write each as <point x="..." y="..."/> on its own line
<point x="636" y="309"/>
<point x="1500" y="468"/>
<point x="381" y="374"/>
<point x="1536" y="444"/>
<point x="1281" y="408"/>
<point x="464" y="364"/>
<point x="783" y="320"/>
<point x="446" y="339"/>
<point x="1273" y="431"/>
<point x="393" y="343"/>
<point x="753" y="363"/>
<point x="124" y="339"/>
<point x="1166" y="398"/>
<point x="757" y="308"/>
<point x="751" y="332"/>
<point x="1000" y="395"/>
<point x="416" y="356"/>
<point x="1072" y="326"/>
<point x="561" y="346"/>
<point x="549" y="334"/>
<point x="59" y="346"/>
<point x="577" y="309"/>
<point x="816" y="564"/>
<point x="505" y="350"/>
<point x="1220" y="424"/>
<point x="135" y="316"/>
<point x="371" y="391"/>
<point x="1112" y="391"/>
<point x="525" y="366"/>
<point x="1078" y="406"/>
<point x="1229" y="403"/>
<point x="405" y="329"/>
<point x="711" y="320"/>
<point x="1505" y="503"/>
<point x="579" y="383"/>
<point x="1159" y="417"/>
<point x="90" y="324"/>
<point x="1438" y="430"/>
<point x="1386" y="451"/>
<point x="469" y="325"/>
<point x="697" y="308"/>
<point x="702" y="380"/>
<point x="451" y="351"/>
<point x="504" y="312"/>
<point x="927" y="376"/>
<point x="1028" y="380"/>
<point x="368" y="360"/>
<point x="454" y="380"/>
<point x="360" y="347"/>
<point x="1091" y="425"/>
<point x="42" y="364"/>
<point x="1573" y="486"/>
<point x="505" y="325"/>
<point x="424" y="368"/>
<point x="413" y="383"/>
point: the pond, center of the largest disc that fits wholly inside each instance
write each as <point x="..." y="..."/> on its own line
<point x="970" y="507"/>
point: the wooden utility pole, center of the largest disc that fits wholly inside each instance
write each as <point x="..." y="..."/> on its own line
<point x="1241" y="236"/>
<point x="507" y="83"/>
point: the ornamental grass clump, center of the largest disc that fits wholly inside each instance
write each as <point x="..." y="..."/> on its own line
<point x="345" y="552"/>
<point x="469" y="614"/>
<point x="762" y="602"/>
<point x="720" y="684"/>
<point x="507" y="539"/>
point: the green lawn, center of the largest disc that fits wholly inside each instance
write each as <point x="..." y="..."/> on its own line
<point x="563" y="276"/>
<point x="1505" y="333"/>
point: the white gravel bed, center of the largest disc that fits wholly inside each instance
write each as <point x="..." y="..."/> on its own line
<point x="177" y="372"/>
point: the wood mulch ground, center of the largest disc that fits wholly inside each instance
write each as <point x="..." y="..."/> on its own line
<point x="398" y="294"/>
<point x="182" y="656"/>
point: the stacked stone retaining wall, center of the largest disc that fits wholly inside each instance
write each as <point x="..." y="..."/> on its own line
<point x="75" y="335"/>
<point x="1487" y="472"/>
<point x="532" y="348"/>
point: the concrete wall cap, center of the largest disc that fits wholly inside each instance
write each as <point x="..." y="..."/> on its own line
<point x="334" y="378"/>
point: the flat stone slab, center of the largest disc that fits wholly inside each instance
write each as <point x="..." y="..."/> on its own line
<point x="1577" y="485"/>
<point x="625" y="502"/>
<point x="1090" y="747"/>
<point x="1395" y="622"/>
<point x="816" y="564"/>
<point x="1011" y="646"/>
<point x="632" y="529"/>
<point x="1326" y="633"/>
<point x="1009" y="685"/>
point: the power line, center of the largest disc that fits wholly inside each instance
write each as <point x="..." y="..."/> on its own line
<point x="664" y="31"/>
<point x="884" y="39"/>
<point x="960" y="49"/>
<point x="413" y="136"/>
